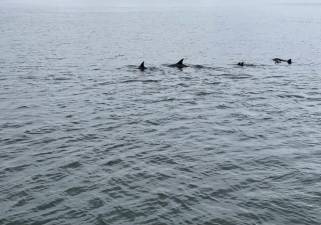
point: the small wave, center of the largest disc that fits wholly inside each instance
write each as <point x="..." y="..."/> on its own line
<point x="150" y="81"/>
<point x="112" y="162"/>
<point x="49" y="205"/>
<point x="236" y="76"/>
<point x="73" y="191"/>
<point x="72" y="165"/>
<point x="203" y="93"/>
<point x="291" y="96"/>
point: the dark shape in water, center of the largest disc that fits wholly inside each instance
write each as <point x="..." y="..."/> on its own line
<point x="142" y="66"/>
<point x="244" y="64"/>
<point x="240" y="64"/>
<point x="278" y="60"/>
<point x="179" y="65"/>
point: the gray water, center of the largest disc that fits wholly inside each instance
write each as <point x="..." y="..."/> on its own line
<point x="86" y="138"/>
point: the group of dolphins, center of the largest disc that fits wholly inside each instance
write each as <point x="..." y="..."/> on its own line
<point x="180" y="64"/>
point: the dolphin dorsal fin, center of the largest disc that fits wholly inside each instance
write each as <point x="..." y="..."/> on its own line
<point x="180" y="62"/>
<point x="142" y="65"/>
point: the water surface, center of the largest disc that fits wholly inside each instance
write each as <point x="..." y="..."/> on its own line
<point x="85" y="138"/>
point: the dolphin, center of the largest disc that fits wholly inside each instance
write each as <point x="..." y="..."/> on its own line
<point x="179" y="64"/>
<point x="142" y="66"/>
<point x="278" y="60"/>
<point x="242" y="64"/>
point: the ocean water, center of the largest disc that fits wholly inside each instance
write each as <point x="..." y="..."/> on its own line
<point x="86" y="138"/>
